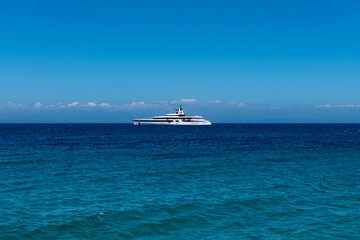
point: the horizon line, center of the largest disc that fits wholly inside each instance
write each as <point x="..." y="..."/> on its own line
<point x="129" y="123"/>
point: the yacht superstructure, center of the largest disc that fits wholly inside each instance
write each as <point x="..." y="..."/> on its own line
<point x="177" y="118"/>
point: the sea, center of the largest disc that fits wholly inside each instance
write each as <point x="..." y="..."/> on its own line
<point x="225" y="181"/>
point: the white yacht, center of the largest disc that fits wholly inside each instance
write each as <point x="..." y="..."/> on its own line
<point x="177" y="118"/>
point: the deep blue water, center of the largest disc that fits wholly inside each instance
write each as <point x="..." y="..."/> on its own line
<point x="226" y="181"/>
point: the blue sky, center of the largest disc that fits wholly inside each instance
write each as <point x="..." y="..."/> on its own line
<point x="232" y="61"/>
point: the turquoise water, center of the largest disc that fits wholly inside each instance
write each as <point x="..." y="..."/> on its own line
<point x="226" y="181"/>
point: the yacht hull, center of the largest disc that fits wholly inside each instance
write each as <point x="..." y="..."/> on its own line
<point x="139" y="122"/>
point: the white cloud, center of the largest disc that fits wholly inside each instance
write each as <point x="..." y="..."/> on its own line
<point x="58" y="105"/>
<point x="324" y="106"/>
<point x="139" y="105"/>
<point x="73" y="104"/>
<point x="189" y="100"/>
<point x="163" y="104"/>
<point x="349" y="106"/>
<point x="186" y="100"/>
<point x="91" y="104"/>
<point x="10" y="104"/>
<point x="339" y="106"/>
<point x="106" y="105"/>
<point x="37" y="105"/>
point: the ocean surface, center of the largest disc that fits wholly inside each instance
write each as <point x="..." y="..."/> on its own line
<point x="226" y="181"/>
